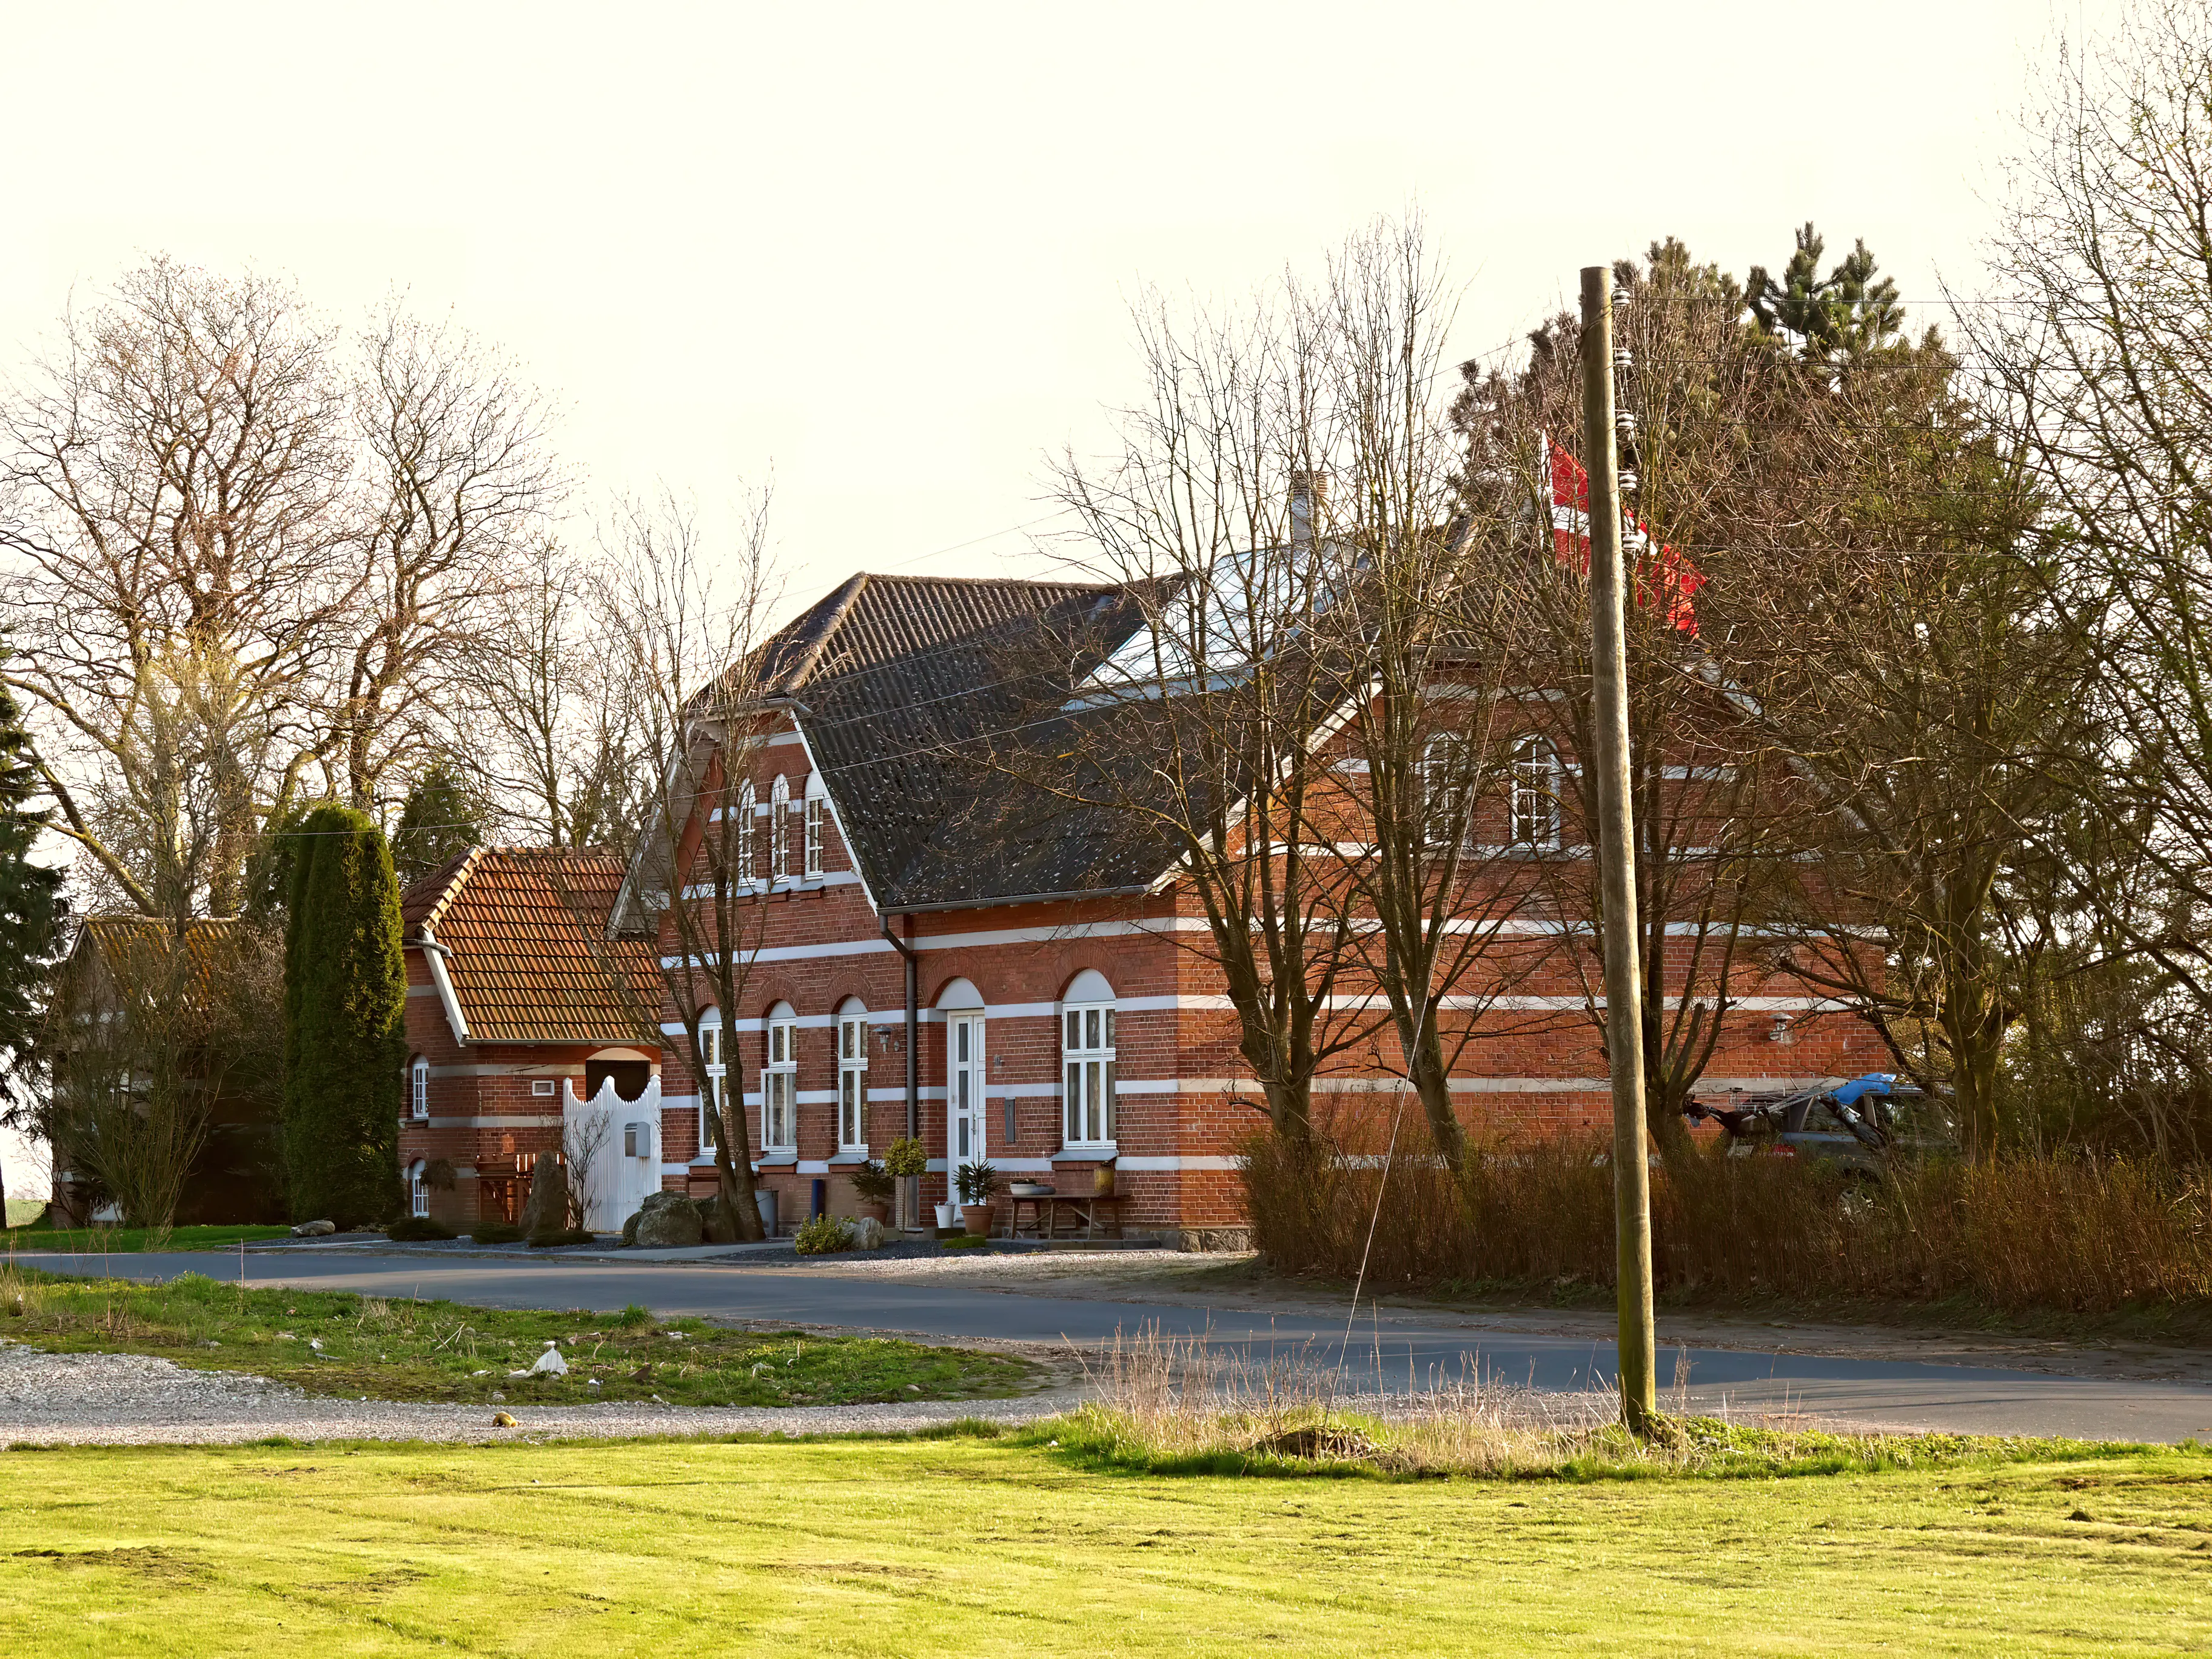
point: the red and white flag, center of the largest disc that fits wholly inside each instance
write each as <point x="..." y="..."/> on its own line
<point x="1665" y="580"/>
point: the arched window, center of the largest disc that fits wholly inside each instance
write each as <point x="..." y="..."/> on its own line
<point x="779" y="1082"/>
<point x="418" y="1090"/>
<point x="742" y="840"/>
<point x="1087" y="1053"/>
<point x="418" y="1189"/>
<point x="713" y="1070"/>
<point x="779" y="829"/>
<point x="817" y="811"/>
<point x="853" y="1077"/>
<point x="1535" y="793"/>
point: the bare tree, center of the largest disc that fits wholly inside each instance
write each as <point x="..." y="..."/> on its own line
<point x="686" y="637"/>
<point x="170" y="486"/>
<point x="457" y="485"/>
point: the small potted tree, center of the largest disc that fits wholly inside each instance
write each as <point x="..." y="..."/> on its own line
<point x="873" y="1185"/>
<point x="906" y="1161"/>
<point x="977" y="1181"/>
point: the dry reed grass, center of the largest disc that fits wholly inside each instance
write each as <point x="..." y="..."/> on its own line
<point x="1179" y="1405"/>
<point x="2077" y="1234"/>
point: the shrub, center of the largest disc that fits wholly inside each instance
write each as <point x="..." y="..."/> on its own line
<point x="636" y="1315"/>
<point x="874" y="1183"/>
<point x="496" y="1232"/>
<point x="905" y="1157"/>
<point x="2081" y="1234"/>
<point x="976" y="1182"/>
<point x="409" y="1228"/>
<point x="823" y="1236"/>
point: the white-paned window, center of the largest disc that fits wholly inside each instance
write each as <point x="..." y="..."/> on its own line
<point x="418" y="1191"/>
<point x="779" y="829"/>
<point x="1086" y="1052"/>
<point x="852" y="1078"/>
<point x="418" y="1089"/>
<point x="741" y="839"/>
<point x="780" y="1083"/>
<point x="816" y="824"/>
<point x="714" y="1076"/>
<point x="1535" y="793"/>
<point x="1443" y="789"/>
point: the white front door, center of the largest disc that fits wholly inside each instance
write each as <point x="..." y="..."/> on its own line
<point x="964" y="1093"/>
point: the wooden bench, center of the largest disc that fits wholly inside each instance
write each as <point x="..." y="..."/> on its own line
<point x="1093" y="1211"/>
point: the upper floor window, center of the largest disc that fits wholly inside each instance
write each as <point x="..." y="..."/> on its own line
<point x="1536" y="775"/>
<point x="742" y="841"/>
<point x="1443" y="789"/>
<point x="852" y="1078"/>
<point x="779" y="829"/>
<point x="817" y="811"/>
<point x="780" y="1083"/>
<point x="1086" y="1052"/>
<point x="714" y="1074"/>
<point x="418" y="1090"/>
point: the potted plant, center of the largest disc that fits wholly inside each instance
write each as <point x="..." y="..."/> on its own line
<point x="873" y="1185"/>
<point x="977" y="1181"/>
<point x="906" y="1161"/>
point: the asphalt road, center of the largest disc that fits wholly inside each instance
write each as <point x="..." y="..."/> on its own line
<point x="1392" y="1350"/>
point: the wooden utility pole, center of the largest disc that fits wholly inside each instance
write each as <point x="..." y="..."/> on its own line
<point x="1624" y="1008"/>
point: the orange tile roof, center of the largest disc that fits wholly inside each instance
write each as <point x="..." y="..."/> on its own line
<point x="527" y="950"/>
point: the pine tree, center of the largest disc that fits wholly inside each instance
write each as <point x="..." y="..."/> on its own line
<point x="28" y="908"/>
<point x="345" y="1001"/>
<point x="1844" y="315"/>
<point x="441" y="818"/>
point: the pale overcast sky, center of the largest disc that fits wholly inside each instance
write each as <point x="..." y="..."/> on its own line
<point x="887" y="250"/>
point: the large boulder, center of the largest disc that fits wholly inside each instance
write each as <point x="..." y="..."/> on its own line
<point x="315" y="1228"/>
<point x="667" y="1221"/>
<point x="867" y="1233"/>
<point x="713" y="1227"/>
<point x="546" y="1211"/>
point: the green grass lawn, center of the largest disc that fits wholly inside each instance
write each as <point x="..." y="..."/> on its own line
<point x="336" y="1343"/>
<point x="127" y="1241"/>
<point x="979" y="1548"/>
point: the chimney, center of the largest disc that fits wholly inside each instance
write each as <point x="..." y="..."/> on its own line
<point x="1309" y="500"/>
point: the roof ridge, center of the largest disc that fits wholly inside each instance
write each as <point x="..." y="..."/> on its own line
<point x="833" y="612"/>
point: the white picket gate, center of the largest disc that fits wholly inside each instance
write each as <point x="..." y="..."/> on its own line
<point x="613" y="1148"/>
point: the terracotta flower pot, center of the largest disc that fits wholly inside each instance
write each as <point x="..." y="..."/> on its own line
<point x="979" y="1219"/>
<point x="879" y="1214"/>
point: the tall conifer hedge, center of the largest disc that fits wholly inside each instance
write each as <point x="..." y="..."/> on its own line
<point x="345" y="1039"/>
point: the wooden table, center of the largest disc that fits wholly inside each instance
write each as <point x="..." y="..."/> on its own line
<point x="1044" y="1213"/>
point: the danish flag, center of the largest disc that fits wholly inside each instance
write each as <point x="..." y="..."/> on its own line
<point x="1666" y="581"/>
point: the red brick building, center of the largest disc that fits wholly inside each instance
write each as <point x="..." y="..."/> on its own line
<point x="1036" y="956"/>
<point x="516" y="999"/>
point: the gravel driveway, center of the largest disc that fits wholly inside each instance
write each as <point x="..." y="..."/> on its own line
<point x="128" y="1400"/>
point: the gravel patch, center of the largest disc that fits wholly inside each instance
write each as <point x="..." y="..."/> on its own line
<point x="131" y="1400"/>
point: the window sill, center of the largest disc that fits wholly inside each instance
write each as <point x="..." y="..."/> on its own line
<point x="1106" y="1153"/>
<point x="854" y="1156"/>
<point x="775" y="1160"/>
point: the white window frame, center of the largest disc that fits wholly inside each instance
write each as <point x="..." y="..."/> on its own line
<point x="780" y="1083"/>
<point x="852" y="1080"/>
<point x="418" y="1089"/>
<point x="747" y="812"/>
<point x="1533" y="819"/>
<point x="713" y="1075"/>
<point x="418" y="1192"/>
<point x="1443" y="792"/>
<point x="814" y="828"/>
<point x="1087" y="1054"/>
<point x="779" y="829"/>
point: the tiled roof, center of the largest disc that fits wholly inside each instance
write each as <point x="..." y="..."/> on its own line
<point x="127" y="943"/>
<point x="935" y="710"/>
<point x="525" y="935"/>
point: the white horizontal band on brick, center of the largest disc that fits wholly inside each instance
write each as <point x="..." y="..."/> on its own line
<point x="1150" y="1163"/>
<point x="933" y="1093"/>
<point x="492" y="1121"/>
<point x="854" y="947"/>
<point x="422" y="990"/>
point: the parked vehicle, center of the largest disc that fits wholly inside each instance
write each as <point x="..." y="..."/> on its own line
<point x="1860" y="1126"/>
